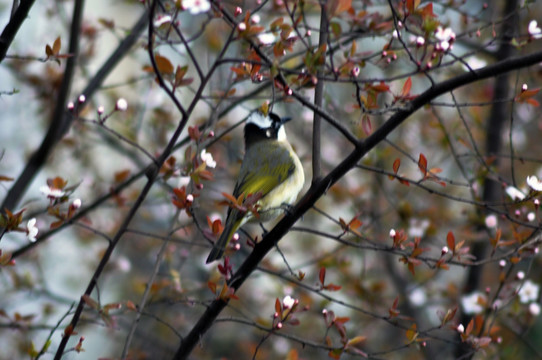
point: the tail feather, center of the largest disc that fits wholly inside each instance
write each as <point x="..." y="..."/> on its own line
<point x="220" y="245"/>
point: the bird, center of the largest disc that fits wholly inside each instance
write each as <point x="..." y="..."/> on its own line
<point x="271" y="171"/>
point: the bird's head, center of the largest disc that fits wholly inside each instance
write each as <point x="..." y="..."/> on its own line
<point x="264" y="127"/>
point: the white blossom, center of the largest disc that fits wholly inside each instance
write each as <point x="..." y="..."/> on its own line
<point x="491" y="221"/>
<point x="534" y="183"/>
<point x="528" y="292"/>
<point x="196" y="6"/>
<point x="534" y="30"/>
<point x="418" y="297"/>
<point x="420" y="41"/>
<point x="52" y="192"/>
<point x="161" y="20"/>
<point x="472" y="303"/>
<point x="255" y="19"/>
<point x="534" y="308"/>
<point x="514" y="193"/>
<point x="208" y="158"/>
<point x="76" y="203"/>
<point x="288" y="302"/>
<point x="266" y="38"/>
<point x="474" y="63"/>
<point x="418" y="227"/>
<point x="122" y="105"/>
<point x="32" y="229"/>
<point x="446" y="37"/>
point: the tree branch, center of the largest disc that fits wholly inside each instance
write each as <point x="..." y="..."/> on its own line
<point x="11" y="29"/>
<point x="318" y="96"/>
<point x="62" y="119"/>
<point x="319" y="188"/>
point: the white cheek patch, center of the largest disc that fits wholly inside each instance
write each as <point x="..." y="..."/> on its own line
<point x="258" y="119"/>
<point x="281" y="136"/>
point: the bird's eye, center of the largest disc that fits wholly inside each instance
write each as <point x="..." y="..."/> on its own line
<point x="268" y="133"/>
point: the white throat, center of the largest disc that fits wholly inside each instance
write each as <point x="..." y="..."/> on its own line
<point x="281" y="136"/>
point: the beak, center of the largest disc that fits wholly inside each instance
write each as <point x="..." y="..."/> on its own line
<point x="284" y="120"/>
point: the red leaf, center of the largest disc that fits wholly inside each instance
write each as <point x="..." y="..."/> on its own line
<point x="212" y="285"/>
<point x="366" y="124"/>
<point x="332" y="287"/>
<point x="396" y="165"/>
<point x="422" y="164"/>
<point x="335" y="353"/>
<point x="56" y="46"/>
<point x="427" y="11"/>
<point x="278" y="308"/>
<point x="469" y="328"/>
<point x="342" y="319"/>
<point x="412" y="333"/>
<point x="412" y="5"/>
<point x="406" y="87"/>
<point x="393" y="310"/>
<point x="450" y="240"/>
<point x="163" y="64"/>
<point x="322" y="275"/>
<point x="533" y="102"/>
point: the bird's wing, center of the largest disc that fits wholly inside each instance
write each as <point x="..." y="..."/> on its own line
<point x="263" y="169"/>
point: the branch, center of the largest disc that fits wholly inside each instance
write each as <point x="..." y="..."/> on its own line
<point x="494" y="128"/>
<point x="319" y="188"/>
<point x="62" y="119"/>
<point x="152" y="175"/>
<point x="13" y="26"/>
<point x="318" y="95"/>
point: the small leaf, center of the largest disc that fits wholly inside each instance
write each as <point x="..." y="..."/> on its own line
<point x="231" y="198"/>
<point x="48" y="51"/>
<point x="90" y="302"/>
<point x="56" y="46"/>
<point x="469" y="328"/>
<point x="335" y="353"/>
<point x="366" y="124"/>
<point x="338" y="6"/>
<point x="121" y="176"/>
<point x="406" y="87"/>
<point x="422" y="164"/>
<point x="164" y="65"/>
<point x="342" y="319"/>
<point x="412" y="333"/>
<point x="322" y="275"/>
<point x="396" y="165"/>
<point x="393" y="310"/>
<point x="450" y="240"/>
<point x="131" y="306"/>
<point x="354" y="48"/>
<point x="332" y="287"/>
<point x="278" y="307"/>
<point x="356" y="340"/>
<point x="68" y="331"/>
